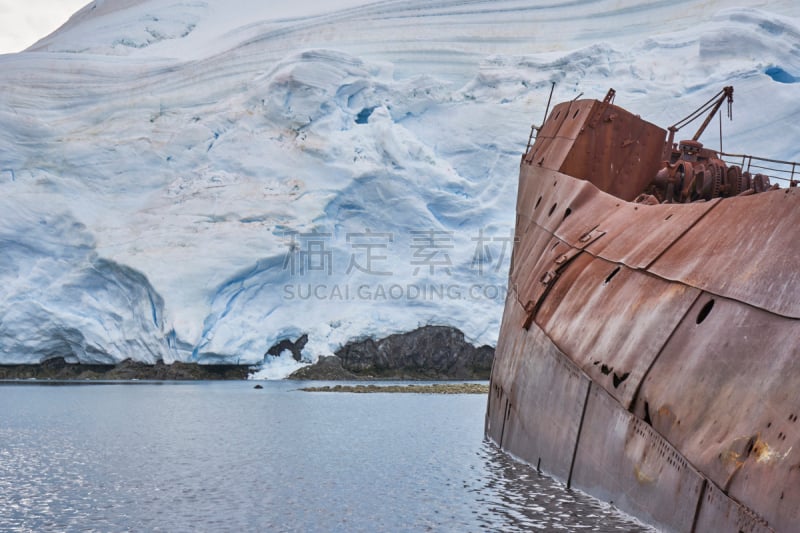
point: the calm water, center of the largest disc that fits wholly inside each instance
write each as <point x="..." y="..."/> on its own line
<point x="226" y="457"/>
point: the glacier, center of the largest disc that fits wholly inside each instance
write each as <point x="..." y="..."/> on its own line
<point x="199" y="180"/>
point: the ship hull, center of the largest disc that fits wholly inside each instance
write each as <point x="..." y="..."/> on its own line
<point x="648" y="354"/>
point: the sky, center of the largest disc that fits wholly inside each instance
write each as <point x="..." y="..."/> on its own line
<point x="23" y="22"/>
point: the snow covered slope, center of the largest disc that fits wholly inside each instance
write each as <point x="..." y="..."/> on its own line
<point x="197" y="180"/>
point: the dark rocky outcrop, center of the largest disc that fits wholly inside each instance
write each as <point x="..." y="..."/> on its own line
<point x="286" y="344"/>
<point x="57" y="368"/>
<point x="328" y="367"/>
<point x="429" y="352"/>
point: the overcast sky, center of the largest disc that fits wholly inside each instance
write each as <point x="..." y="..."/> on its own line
<point x="23" y="22"/>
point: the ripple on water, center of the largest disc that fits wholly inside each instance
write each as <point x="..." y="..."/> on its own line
<point x="224" y="457"/>
<point x="516" y="497"/>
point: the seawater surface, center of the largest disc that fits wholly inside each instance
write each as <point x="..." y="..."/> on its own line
<point x="223" y="456"/>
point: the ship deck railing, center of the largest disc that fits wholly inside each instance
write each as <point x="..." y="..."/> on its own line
<point x="786" y="173"/>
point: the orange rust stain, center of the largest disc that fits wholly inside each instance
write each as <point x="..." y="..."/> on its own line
<point x="766" y="454"/>
<point x="641" y="476"/>
<point x="730" y="458"/>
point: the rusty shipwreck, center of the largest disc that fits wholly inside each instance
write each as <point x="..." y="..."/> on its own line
<point x="649" y="352"/>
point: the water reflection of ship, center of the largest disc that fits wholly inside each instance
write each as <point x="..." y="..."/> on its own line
<point x="521" y="499"/>
<point x="648" y="352"/>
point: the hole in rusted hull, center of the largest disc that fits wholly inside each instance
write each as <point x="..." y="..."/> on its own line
<point x="568" y="212"/>
<point x="552" y="209"/>
<point x="538" y="202"/>
<point x="703" y="314"/>
<point x="610" y="276"/>
<point x="617" y="379"/>
<point x="750" y="443"/>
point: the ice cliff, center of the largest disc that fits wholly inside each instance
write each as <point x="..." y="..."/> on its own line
<point x="198" y="180"/>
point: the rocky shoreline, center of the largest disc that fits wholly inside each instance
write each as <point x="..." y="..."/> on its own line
<point x="59" y="369"/>
<point x="427" y="353"/>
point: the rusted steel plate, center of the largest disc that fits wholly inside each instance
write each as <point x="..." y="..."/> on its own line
<point x="724" y="391"/>
<point x="588" y="208"/>
<point x="556" y="138"/>
<point x="614" y="354"/>
<point x="546" y="396"/>
<point x="549" y="198"/>
<point x="504" y="368"/>
<point x="745" y="249"/>
<point x="505" y="357"/>
<point x="720" y="513"/>
<point x="566" y="120"/>
<point x="536" y="281"/>
<point x="602" y="142"/>
<point x="617" y="151"/>
<point x="638" y="234"/>
<point x="531" y="248"/>
<point x="534" y="224"/>
<point x="538" y="256"/>
<point x="496" y="406"/>
<point x="533" y="280"/>
<point x="621" y="459"/>
<point x="501" y="378"/>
